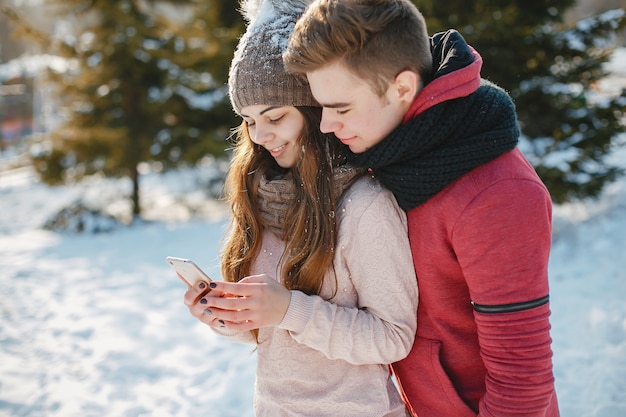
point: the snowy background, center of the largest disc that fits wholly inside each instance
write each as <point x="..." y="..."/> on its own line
<point x="93" y="324"/>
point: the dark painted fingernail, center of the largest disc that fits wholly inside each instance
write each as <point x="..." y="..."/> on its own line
<point x="212" y="285"/>
<point x="203" y="301"/>
<point x="202" y="285"/>
<point x="207" y="312"/>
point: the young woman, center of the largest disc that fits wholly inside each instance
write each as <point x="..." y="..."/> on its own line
<point x="316" y="265"/>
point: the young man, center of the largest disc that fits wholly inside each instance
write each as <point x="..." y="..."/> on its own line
<point x="415" y="111"/>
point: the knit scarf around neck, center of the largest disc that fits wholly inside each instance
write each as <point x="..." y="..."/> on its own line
<point x="438" y="146"/>
<point x="277" y="195"/>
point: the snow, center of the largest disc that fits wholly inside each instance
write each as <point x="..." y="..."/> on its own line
<point x="31" y="65"/>
<point x="93" y="324"/>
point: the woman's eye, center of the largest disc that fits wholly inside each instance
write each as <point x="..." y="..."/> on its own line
<point x="343" y="111"/>
<point x="276" y="120"/>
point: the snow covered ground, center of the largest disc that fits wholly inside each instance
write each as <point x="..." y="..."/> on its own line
<point x="94" y="324"/>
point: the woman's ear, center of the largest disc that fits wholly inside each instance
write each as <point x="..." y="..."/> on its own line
<point x="407" y="84"/>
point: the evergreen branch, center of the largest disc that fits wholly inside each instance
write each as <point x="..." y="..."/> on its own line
<point x="24" y="28"/>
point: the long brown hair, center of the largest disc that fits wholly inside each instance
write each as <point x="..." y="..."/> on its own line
<point x="310" y="224"/>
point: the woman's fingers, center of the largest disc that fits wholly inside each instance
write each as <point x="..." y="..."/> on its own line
<point x="197" y="291"/>
<point x="257" y="301"/>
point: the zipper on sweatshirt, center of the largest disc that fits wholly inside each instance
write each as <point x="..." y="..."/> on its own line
<point x="510" y="308"/>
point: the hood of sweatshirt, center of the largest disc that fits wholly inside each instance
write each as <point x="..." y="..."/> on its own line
<point x="456" y="72"/>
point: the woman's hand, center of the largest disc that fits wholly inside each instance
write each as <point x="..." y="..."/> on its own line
<point x="193" y="300"/>
<point x="255" y="301"/>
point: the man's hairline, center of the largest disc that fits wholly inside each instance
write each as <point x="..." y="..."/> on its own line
<point x="341" y="61"/>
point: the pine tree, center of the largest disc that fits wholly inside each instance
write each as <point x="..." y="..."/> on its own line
<point x="552" y="72"/>
<point x="198" y="114"/>
<point x="146" y="82"/>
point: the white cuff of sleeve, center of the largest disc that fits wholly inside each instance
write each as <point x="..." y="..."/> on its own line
<point x="298" y="313"/>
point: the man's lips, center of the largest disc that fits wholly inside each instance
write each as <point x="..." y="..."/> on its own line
<point x="346" y="140"/>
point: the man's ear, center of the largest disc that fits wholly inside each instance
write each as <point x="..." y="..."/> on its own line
<point x="407" y="84"/>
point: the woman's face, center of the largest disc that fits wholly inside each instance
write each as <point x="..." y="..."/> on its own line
<point x="277" y="129"/>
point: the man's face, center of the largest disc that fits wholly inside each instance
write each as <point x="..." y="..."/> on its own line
<point x="358" y="116"/>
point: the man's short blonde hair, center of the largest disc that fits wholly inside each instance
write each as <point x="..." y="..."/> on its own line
<point x="375" y="39"/>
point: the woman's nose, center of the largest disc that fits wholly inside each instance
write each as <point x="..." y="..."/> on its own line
<point x="260" y="135"/>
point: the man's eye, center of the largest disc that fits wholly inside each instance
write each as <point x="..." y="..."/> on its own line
<point x="343" y="111"/>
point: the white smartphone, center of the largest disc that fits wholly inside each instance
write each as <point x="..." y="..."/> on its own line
<point x="187" y="270"/>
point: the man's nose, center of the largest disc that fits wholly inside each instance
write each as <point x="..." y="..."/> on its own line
<point x="328" y="124"/>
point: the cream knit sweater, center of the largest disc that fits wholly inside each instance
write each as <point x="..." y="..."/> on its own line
<point x="329" y="358"/>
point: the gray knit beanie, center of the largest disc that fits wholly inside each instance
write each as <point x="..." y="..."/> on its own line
<point x="257" y="74"/>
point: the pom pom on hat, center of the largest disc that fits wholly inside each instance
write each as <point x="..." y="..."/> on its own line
<point x="257" y="74"/>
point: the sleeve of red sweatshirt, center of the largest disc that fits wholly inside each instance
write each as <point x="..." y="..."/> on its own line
<point x="503" y="242"/>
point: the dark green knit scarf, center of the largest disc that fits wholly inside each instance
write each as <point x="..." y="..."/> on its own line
<point x="438" y="146"/>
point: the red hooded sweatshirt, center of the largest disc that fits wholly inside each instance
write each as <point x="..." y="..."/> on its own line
<point x="480" y="248"/>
